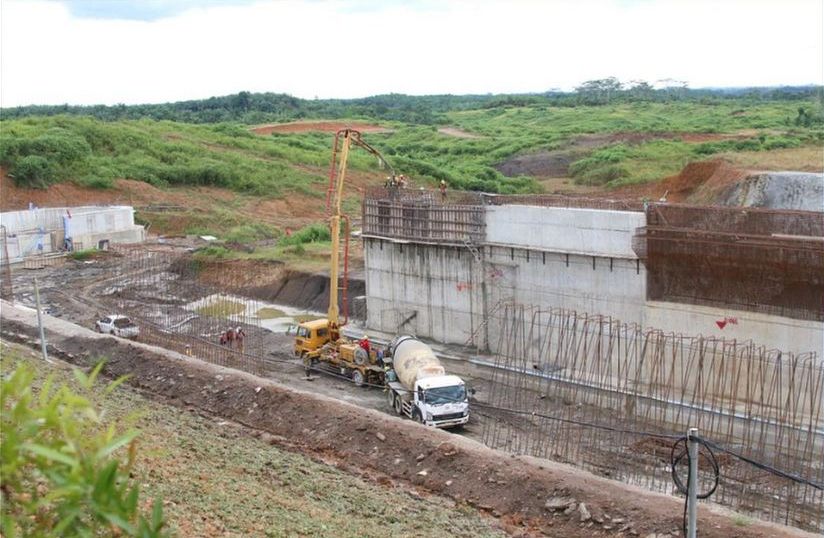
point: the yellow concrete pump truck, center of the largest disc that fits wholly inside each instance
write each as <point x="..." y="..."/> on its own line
<point x="321" y="340"/>
<point x="416" y="384"/>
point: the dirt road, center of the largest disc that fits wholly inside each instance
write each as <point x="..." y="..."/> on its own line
<point x="531" y="497"/>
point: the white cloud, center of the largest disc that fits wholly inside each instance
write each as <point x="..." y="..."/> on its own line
<point x="356" y="48"/>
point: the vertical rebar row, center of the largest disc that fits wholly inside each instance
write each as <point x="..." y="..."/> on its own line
<point x="556" y="366"/>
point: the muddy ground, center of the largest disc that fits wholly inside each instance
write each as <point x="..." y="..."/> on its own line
<point x="83" y="292"/>
<point x="530" y="497"/>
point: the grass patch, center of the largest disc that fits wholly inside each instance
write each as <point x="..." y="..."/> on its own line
<point x="216" y="252"/>
<point x="270" y="313"/>
<point x="313" y="233"/>
<point x="222" y="308"/>
<point x="85" y="254"/>
<point x="249" y="233"/>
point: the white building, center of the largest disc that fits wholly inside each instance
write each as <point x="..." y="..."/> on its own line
<point x="45" y="230"/>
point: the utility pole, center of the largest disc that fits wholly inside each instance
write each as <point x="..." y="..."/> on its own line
<point x="40" y="321"/>
<point x="692" y="487"/>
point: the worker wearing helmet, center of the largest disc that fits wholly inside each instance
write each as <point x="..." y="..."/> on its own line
<point x="364" y="344"/>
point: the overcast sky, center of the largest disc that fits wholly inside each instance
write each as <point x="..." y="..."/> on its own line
<point x="150" y="51"/>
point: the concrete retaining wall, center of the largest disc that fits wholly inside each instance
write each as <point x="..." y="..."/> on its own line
<point x="585" y="231"/>
<point x="575" y="259"/>
<point x="793" y="335"/>
<point x="426" y="290"/>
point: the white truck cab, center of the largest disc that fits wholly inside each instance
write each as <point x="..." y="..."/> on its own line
<point x="419" y="387"/>
<point x="442" y="401"/>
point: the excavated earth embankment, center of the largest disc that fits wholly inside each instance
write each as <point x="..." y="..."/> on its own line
<point x="530" y="497"/>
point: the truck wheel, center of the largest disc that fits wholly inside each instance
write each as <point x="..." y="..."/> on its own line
<point x="416" y="416"/>
<point x="397" y="405"/>
<point x="357" y="378"/>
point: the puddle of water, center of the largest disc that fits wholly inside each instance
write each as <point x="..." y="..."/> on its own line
<point x="275" y="317"/>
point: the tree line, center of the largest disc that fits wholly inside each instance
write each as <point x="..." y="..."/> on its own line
<point x="251" y="108"/>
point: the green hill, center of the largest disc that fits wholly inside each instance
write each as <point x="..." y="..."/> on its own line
<point x="37" y="150"/>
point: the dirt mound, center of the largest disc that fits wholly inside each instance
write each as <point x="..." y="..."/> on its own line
<point x="125" y="191"/>
<point x="701" y="182"/>
<point x="322" y="126"/>
<point x="175" y="210"/>
<point x="546" y="164"/>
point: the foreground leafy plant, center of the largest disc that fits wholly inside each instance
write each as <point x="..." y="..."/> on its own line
<point x="61" y="472"/>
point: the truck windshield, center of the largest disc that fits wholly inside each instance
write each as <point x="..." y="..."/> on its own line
<point x="445" y="395"/>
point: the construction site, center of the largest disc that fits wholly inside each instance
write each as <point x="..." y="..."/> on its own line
<point x="589" y="332"/>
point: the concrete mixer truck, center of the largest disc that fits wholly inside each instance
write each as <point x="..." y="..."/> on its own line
<point x="419" y="388"/>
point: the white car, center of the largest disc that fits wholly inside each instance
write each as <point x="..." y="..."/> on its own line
<point x="118" y="326"/>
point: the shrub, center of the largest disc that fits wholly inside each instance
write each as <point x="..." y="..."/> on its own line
<point x="308" y="234"/>
<point x="62" y="472"/>
<point x="33" y="171"/>
<point x="603" y="174"/>
<point x="298" y="250"/>
<point x="83" y="255"/>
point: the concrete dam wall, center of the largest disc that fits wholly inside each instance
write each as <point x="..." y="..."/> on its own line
<point x="579" y="259"/>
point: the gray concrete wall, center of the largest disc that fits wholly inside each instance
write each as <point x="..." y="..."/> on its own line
<point x="785" y="334"/>
<point x="436" y="286"/>
<point x="449" y="291"/>
<point x="585" y="231"/>
<point x="579" y="260"/>
<point x="610" y="286"/>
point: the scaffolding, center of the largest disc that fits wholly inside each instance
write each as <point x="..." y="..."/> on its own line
<point x="758" y="260"/>
<point x="423" y="216"/>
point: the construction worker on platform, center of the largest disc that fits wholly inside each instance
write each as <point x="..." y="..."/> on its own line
<point x="443" y="190"/>
<point x="364" y="344"/>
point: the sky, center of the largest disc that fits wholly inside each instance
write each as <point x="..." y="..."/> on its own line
<point x="84" y="52"/>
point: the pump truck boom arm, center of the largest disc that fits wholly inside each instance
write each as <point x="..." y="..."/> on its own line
<point x="344" y="139"/>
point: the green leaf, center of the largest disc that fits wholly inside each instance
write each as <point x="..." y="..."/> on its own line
<point x="157" y="515"/>
<point x="9" y="528"/>
<point x="93" y="375"/>
<point x="49" y="453"/>
<point x="82" y="378"/>
<point x="119" y="522"/>
<point x="116" y="383"/>
<point x="131" y="499"/>
<point x="45" y="391"/>
<point x="105" y="481"/>
<point x="67" y="520"/>
<point x="115" y="444"/>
